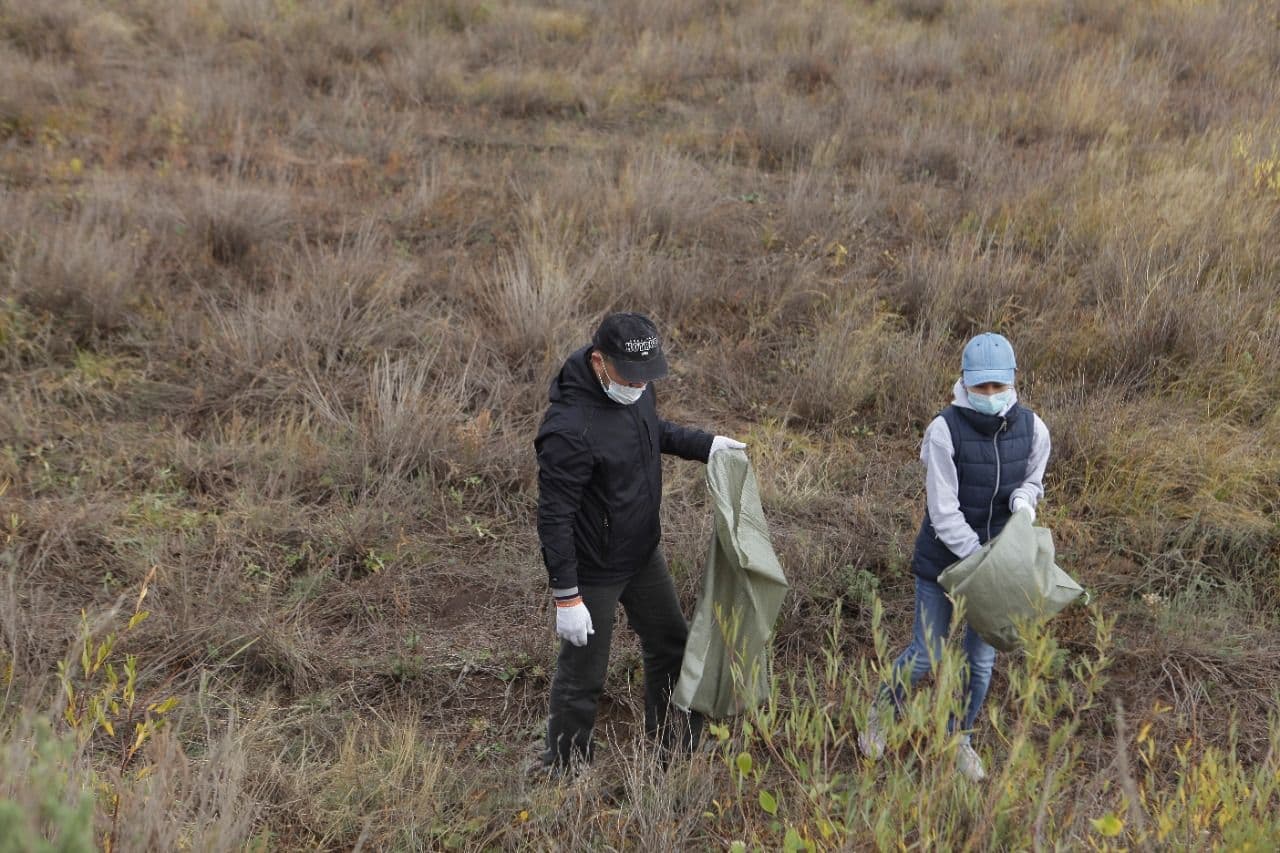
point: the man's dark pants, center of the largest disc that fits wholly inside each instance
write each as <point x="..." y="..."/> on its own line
<point x="653" y="611"/>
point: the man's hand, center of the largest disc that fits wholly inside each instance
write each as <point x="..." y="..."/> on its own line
<point x="573" y="621"/>
<point x="1024" y="505"/>
<point x="721" y="442"/>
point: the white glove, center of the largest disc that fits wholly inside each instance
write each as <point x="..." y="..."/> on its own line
<point x="573" y="622"/>
<point x="721" y="442"/>
<point x="1021" y="504"/>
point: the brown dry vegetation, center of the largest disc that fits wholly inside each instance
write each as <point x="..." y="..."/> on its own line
<point x="282" y="284"/>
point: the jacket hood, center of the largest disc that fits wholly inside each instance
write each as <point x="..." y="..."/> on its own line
<point x="577" y="383"/>
<point x="960" y="398"/>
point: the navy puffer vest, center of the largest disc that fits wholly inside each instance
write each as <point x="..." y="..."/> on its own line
<point x="991" y="455"/>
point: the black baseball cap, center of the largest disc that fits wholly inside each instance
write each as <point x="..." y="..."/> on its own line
<point x="632" y="344"/>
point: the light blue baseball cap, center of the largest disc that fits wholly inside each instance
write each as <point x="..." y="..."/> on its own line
<point x="988" y="358"/>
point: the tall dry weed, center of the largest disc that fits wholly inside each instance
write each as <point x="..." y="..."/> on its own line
<point x="212" y="800"/>
<point x="330" y="310"/>
<point x="667" y="200"/>
<point x="783" y="130"/>
<point x="976" y="282"/>
<point x="408" y="421"/>
<point x="534" y="297"/>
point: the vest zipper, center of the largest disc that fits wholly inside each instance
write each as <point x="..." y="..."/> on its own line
<point x="995" y="445"/>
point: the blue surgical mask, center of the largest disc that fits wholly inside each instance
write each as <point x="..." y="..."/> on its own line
<point x="991" y="404"/>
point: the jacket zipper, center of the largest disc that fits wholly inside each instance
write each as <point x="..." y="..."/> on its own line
<point x="645" y="435"/>
<point x="995" y="445"/>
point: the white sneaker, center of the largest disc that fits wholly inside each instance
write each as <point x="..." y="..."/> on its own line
<point x="871" y="738"/>
<point x="969" y="764"/>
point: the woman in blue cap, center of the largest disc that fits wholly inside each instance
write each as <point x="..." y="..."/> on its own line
<point x="984" y="458"/>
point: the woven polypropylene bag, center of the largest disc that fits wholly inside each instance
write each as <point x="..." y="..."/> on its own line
<point x="725" y="668"/>
<point x="1010" y="580"/>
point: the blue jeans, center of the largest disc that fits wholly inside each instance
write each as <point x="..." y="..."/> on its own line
<point x="932" y="623"/>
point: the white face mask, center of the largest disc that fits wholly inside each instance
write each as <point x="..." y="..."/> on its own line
<point x="991" y="404"/>
<point x="624" y="394"/>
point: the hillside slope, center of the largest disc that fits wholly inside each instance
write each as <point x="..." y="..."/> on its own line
<point x="283" y="283"/>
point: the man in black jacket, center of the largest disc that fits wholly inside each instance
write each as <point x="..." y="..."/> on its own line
<point x="600" y="488"/>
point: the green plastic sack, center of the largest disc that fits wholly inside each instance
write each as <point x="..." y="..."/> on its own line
<point x="1011" y="579"/>
<point x="742" y="592"/>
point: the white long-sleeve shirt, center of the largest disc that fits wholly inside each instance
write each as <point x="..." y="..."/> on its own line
<point x="942" y="483"/>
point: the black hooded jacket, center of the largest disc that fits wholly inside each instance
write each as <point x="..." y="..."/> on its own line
<point x="600" y="477"/>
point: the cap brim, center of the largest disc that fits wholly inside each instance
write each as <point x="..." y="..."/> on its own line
<point x="640" y="371"/>
<point x="981" y="377"/>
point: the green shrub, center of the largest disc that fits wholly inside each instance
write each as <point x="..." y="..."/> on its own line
<point x="45" y="807"/>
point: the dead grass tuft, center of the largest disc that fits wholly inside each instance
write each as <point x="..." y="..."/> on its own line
<point x="79" y="273"/>
<point x="42" y="29"/>
<point x="326" y="313"/>
<point x="920" y="10"/>
<point x="786" y="131"/>
<point x="525" y="94"/>
<point x="30" y="92"/>
<point x="667" y="200"/>
<point x="213" y="801"/>
<point x="231" y="222"/>
<point x="387" y="786"/>
<point x="809" y="74"/>
<point x="407" y="423"/>
<point x="533" y="298"/>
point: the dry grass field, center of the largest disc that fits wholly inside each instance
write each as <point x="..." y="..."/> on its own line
<point x="282" y="284"/>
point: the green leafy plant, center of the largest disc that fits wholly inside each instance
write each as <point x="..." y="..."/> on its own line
<point x="51" y="814"/>
<point x="103" y="707"/>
